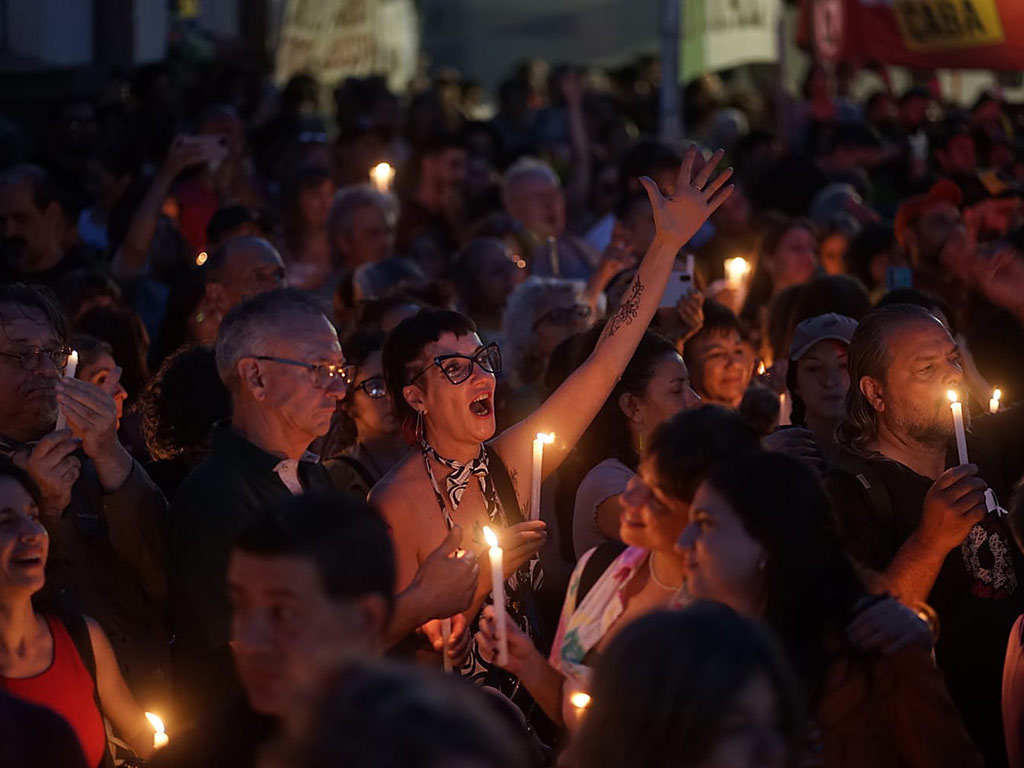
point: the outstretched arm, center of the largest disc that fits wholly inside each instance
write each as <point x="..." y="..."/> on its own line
<point x="572" y="407"/>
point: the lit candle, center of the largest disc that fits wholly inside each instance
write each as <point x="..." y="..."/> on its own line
<point x="159" y="734"/>
<point x="446" y="641"/>
<point x="993" y="404"/>
<point x="958" y="425"/>
<point x="381" y="175"/>
<point x="736" y="271"/>
<point x="538" y="465"/>
<point x="498" y="593"/>
<point x="785" y="410"/>
<point x="553" y="261"/>
<point x="202" y="258"/>
<point x="69" y="373"/>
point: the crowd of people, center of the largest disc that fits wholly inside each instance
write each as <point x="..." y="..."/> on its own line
<point x="272" y="372"/>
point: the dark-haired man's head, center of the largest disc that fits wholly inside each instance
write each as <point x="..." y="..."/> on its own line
<point x="441" y="169"/>
<point x="311" y="586"/>
<point x="242" y="267"/>
<point x="235" y="221"/>
<point x="720" y="361"/>
<point x="31" y="219"/>
<point x="279" y="356"/>
<point x="902" y="362"/>
<point x="33" y="351"/>
<point x="955" y="151"/>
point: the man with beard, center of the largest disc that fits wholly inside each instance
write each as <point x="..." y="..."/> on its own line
<point x="102" y="511"/>
<point x="35" y="232"/>
<point x="916" y="519"/>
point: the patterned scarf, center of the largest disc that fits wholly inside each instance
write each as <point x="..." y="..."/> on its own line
<point x="458" y="480"/>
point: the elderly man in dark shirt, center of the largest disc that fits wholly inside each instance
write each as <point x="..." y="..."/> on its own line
<point x="911" y="514"/>
<point x="103" y="512"/>
<point x="280" y="358"/>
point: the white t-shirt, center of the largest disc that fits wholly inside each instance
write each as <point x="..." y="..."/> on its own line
<point x="608" y="478"/>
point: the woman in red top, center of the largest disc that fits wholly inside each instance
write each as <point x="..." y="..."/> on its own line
<point x="38" y="660"/>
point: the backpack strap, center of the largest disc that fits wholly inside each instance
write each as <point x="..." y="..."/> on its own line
<point x="867" y="478"/>
<point x="503" y="485"/>
<point x="357" y="467"/>
<point x="600" y="560"/>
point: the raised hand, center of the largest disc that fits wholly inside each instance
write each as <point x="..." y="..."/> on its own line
<point x="696" y="197"/>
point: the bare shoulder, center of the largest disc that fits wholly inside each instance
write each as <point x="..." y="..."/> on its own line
<point x="394" y="492"/>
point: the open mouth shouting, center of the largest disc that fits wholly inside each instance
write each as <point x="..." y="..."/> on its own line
<point x="482" y="405"/>
<point x="28" y="560"/>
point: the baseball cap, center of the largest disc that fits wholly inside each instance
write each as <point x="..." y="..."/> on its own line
<point x="815" y="329"/>
<point x="942" y="191"/>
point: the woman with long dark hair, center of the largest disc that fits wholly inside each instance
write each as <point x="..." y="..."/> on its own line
<point x="762" y="540"/>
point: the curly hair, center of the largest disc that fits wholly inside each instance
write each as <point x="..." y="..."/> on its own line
<point x="181" y="403"/>
<point x="519" y="321"/>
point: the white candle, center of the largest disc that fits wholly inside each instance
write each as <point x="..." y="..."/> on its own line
<point x="785" y="410"/>
<point x="446" y="641"/>
<point x="159" y="734"/>
<point x="553" y="261"/>
<point x="958" y="425"/>
<point x="538" y="470"/>
<point x="993" y="404"/>
<point x="69" y="373"/>
<point x="381" y="175"/>
<point x="736" y="271"/>
<point x="497" y="557"/>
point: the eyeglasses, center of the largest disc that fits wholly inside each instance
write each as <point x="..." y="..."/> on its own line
<point x="564" y="316"/>
<point x="458" y="368"/>
<point x="372" y="387"/>
<point x="31" y="357"/>
<point x="321" y="374"/>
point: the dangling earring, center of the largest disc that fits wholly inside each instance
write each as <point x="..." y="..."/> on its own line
<point x="419" y="426"/>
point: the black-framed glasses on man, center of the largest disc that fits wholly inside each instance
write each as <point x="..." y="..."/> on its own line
<point x="564" y="316"/>
<point x="31" y="357"/>
<point x="458" y="368"/>
<point x="322" y="374"/>
<point x="373" y="387"/>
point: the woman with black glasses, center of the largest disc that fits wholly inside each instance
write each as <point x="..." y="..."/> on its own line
<point x="366" y="438"/>
<point x="442" y="381"/>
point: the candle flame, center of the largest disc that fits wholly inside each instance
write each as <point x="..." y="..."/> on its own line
<point x="489" y="535"/>
<point x="761" y="370"/>
<point x="201" y="258"/>
<point x="580" y="700"/>
<point x="546" y="437"/>
<point x="382" y="172"/>
<point x="156" y="722"/>
<point x="953" y="396"/>
<point x="997" y="394"/>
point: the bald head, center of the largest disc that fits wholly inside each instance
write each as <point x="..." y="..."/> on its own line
<point x="241" y="268"/>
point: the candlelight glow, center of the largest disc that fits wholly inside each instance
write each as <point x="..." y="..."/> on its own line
<point x="953" y="396"/>
<point x="736" y="270"/>
<point x="159" y="734"/>
<point x="489" y="535"/>
<point x="580" y="700"/>
<point x="761" y="370"/>
<point x="997" y="394"/>
<point x="201" y="258"/>
<point x="381" y="176"/>
<point x="547" y="438"/>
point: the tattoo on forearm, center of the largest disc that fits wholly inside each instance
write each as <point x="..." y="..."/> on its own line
<point x="628" y="309"/>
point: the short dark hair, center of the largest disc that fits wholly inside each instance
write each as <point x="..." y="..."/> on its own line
<point x="869" y="355"/>
<point x="44" y="188"/>
<point x="718" y="321"/>
<point x="406" y="343"/>
<point x="344" y="537"/>
<point x="32" y="296"/>
<point x="666" y="686"/>
<point x="683" y="449"/>
<point x="9" y="469"/>
<point x="230" y="218"/>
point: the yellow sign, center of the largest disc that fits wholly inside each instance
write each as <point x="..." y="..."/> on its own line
<point x="929" y="26"/>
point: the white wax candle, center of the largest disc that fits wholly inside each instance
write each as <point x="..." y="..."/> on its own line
<point x="69" y="373"/>
<point x="958" y="426"/>
<point x="381" y="175"/>
<point x="538" y="471"/>
<point x="785" y="410"/>
<point x="993" y="404"/>
<point x="553" y="261"/>
<point x="497" y="557"/>
<point x="446" y="640"/>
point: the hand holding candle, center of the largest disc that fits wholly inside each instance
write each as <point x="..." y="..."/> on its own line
<point x="69" y="373"/>
<point x="496" y="556"/>
<point x="958" y="426"/>
<point x="538" y="469"/>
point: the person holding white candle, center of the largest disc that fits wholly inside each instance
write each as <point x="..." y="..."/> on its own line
<point x="911" y="513"/>
<point x="442" y="381"/>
